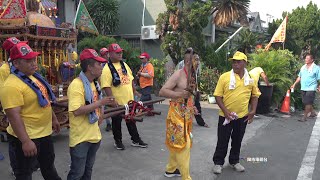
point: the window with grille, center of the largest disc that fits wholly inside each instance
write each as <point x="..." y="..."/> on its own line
<point x="134" y="42"/>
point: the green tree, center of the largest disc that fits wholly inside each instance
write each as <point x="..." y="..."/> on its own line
<point x="181" y="26"/>
<point x="217" y="60"/>
<point x="159" y="73"/>
<point x="303" y="30"/>
<point x="246" y="40"/>
<point x="228" y="11"/>
<point x="105" y="15"/>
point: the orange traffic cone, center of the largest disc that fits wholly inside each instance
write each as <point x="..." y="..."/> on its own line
<point x="285" y="108"/>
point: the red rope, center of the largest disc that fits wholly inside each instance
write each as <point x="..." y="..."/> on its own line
<point x="135" y="106"/>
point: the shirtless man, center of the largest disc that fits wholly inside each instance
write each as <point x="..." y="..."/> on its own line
<point x="179" y="124"/>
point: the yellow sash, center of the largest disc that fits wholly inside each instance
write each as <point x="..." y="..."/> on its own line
<point x="179" y="124"/>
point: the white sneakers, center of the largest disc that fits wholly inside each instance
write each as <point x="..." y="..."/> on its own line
<point x="217" y="169"/>
<point x="238" y="167"/>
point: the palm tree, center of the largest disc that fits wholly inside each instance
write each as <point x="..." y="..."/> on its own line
<point x="247" y="40"/>
<point x="226" y="11"/>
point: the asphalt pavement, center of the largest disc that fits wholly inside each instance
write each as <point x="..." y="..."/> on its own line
<point x="274" y="147"/>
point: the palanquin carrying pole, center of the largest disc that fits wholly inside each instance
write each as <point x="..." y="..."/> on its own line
<point x="132" y="107"/>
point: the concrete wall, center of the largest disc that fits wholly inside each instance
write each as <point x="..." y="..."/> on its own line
<point x="153" y="48"/>
<point x="131" y="15"/>
<point x="70" y="10"/>
<point x="131" y="22"/>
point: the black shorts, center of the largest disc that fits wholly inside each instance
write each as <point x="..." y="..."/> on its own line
<point x="308" y="97"/>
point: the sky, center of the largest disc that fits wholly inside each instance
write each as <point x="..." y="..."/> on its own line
<point x="276" y="7"/>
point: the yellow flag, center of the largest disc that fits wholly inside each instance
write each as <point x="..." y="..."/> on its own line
<point x="280" y="34"/>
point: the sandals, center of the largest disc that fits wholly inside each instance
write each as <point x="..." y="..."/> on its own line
<point x="313" y="116"/>
<point x="302" y="120"/>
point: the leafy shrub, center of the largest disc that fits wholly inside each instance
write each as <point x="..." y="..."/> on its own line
<point x="216" y="60"/>
<point x="159" y="73"/>
<point x="281" y="67"/>
<point x="208" y="79"/>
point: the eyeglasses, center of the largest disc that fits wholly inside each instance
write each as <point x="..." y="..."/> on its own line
<point x="119" y="52"/>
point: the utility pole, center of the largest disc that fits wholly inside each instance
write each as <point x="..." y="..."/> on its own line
<point x="269" y="18"/>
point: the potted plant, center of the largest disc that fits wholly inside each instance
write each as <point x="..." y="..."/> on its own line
<point x="280" y="67"/>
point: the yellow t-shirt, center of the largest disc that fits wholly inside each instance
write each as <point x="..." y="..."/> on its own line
<point x="124" y="92"/>
<point x="4" y="73"/>
<point x="80" y="128"/>
<point x="255" y="74"/>
<point x="37" y="119"/>
<point x="235" y="100"/>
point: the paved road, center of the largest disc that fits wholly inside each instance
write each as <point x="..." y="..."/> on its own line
<point x="282" y="142"/>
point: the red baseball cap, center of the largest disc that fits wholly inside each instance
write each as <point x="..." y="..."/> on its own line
<point x="22" y="51"/>
<point x="144" y="55"/>
<point x="103" y="51"/>
<point x="10" y="42"/>
<point x="91" y="54"/>
<point x="115" y="48"/>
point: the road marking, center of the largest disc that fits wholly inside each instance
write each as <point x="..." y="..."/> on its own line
<point x="308" y="162"/>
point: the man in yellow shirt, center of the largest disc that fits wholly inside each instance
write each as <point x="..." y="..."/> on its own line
<point x="104" y="52"/>
<point x="117" y="81"/>
<point x="85" y="108"/>
<point x="5" y="68"/>
<point x="26" y="97"/>
<point x="4" y="73"/>
<point x="233" y="92"/>
<point x="255" y="74"/>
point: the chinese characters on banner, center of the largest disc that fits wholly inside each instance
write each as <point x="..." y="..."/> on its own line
<point x="54" y="32"/>
<point x="280" y="34"/>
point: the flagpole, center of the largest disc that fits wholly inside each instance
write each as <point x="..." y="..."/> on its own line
<point x="75" y="18"/>
<point x="25" y="5"/>
<point x="286" y="30"/>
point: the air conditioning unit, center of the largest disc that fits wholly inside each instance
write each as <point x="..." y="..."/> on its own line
<point x="149" y="32"/>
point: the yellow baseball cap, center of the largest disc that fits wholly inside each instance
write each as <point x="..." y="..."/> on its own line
<point x="239" y="56"/>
